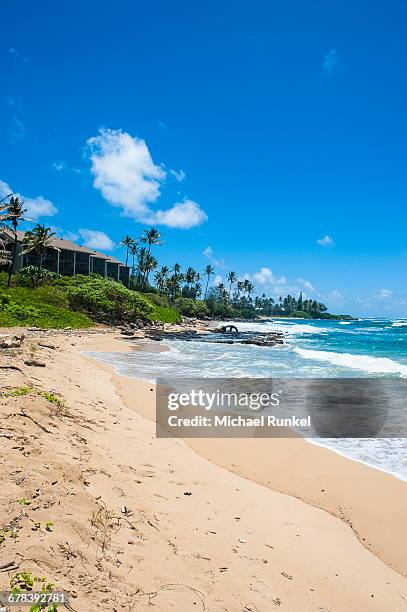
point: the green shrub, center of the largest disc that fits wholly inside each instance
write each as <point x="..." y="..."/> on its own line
<point x="300" y="314"/>
<point x="15" y="313"/>
<point x="156" y="298"/>
<point x="107" y="299"/>
<point x="245" y="313"/>
<point x="192" y="308"/>
<point x="21" y="312"/>
<point x="32" y="276"/>
<point x="166" y="314"/>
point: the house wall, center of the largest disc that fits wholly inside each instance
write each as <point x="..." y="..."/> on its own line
<point x="98" y="266"/>
<point x="112" y="270"/>
<point x="66" y="263"/>
<point x="82" y="264"/>
<point x="124" y="275"/>
<point x="70" y="262"/>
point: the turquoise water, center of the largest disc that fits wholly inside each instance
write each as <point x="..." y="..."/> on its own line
<point x="312" y="349"/>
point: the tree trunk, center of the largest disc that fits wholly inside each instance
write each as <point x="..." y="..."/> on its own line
<point x="206" y="288"/>
<point x="39" y="270"/>
<point x="13" y="259"/>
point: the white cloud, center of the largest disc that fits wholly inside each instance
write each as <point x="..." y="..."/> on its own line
<point x="163" y="126"/>
<point x="307" y="285"/>
<point x="70" y="236"/>
<point x="128" y="178"/>
<point x="19" y="56"/>
<point x="36" y="207"/>
<point x="331" y="62"/>
<point x="179" y="175"/>
<point x="266" y="277"/>
<point x="336" y="295"/>
<point x="17" y="129"/>
<point x="124" y="171"/>
<point x="182" y="215"/>
<point x="10" y="100"/>
<point x="59" y="165"/>
<point x="384" y="294"/>
<point x="326" y="241"/>
<point x="96" y="240"/>
<point x="217" y="280"/>
<point x="208" y="252"/>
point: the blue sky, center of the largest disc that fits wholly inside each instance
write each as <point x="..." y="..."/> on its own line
<point x="272" y="132"/>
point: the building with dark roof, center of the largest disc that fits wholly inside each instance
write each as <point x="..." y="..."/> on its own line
<point x="67" y="258"/>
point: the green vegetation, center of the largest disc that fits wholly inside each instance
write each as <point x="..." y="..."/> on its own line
<point x="106" y="299"/>
<point x="166" y="314"/>
<point x="24" y="582"/>
<point x="51" y="398"/>
<point x="292" y="307"/>
<point x="45" y="306"/>
<point x="18" y="392"/>
<point x="52" y="301"/>
<point x="56" y="301"/>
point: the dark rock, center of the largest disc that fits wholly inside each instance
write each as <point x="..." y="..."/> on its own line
<point x="7" y="342"/>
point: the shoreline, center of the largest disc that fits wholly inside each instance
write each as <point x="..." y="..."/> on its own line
<point x="139" y="517"/>
<point x="340" y="498"/>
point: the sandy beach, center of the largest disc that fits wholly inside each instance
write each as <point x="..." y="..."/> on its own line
<point x="121" y="520"/>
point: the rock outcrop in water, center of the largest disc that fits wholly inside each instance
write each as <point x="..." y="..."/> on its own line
<point x="219" y="337"/>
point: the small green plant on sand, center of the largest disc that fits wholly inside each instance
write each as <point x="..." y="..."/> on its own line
<point x="24" y="502"/>
<point x="51" y="397"/>
<point x="18" y="392"/>
<point x="24" y="582"/>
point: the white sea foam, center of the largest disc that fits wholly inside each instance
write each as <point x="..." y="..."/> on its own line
<point x="345" y="322"/>
<point x="399" y="324"/>
<point x="284" y="326"/>
<point x="386" y="454"/>
<point x="374" y="365"/>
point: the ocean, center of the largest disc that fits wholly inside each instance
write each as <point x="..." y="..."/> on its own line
<point x="312" y="349"/>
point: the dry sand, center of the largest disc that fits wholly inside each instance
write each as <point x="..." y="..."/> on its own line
<point x="140" y="520"/>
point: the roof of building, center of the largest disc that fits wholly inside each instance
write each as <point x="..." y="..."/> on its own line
<point x="66" y="245"/>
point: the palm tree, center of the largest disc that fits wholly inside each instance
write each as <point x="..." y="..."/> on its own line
<point x="127" y="242"/>
<point x="151" y="237"/>
<point x="16" y="215"/>
<point x="232" y="278"/>
<point x="190" y="275"/>
<point x="38" y="240"/>
<point x="161" y="278"/>
<point x="209" y="270"/>
<point x="221" y="292"/>
<point x="133" y="249"/>
<point x="150" y="263"/>
<point x="5" y="217"/>
<point x="173" y="286"/>
<point x="249" y="289"/>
